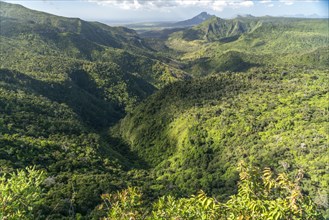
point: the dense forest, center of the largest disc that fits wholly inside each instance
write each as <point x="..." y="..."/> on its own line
<point x="226" y="119"/>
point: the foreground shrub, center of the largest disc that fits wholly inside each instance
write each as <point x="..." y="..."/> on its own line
<point x="20" y="194"/>
<point x="261" y="195"/>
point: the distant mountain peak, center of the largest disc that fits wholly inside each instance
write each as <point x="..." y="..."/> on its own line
<point x="245" y="16"/>
<point x="195" y="20"/>
<point x="203" y="15"/>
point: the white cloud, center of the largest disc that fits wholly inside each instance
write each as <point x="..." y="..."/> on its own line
<point x="291" y="2"/>
<point x="287" y="2"/>
<point x="246" y="4"/>
<point x="265" y="1"/>
<point x="268" y="3"/>
<point x="217" y="5"/>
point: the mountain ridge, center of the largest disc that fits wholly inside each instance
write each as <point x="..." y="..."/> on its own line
<point x="100" y="109"/>
<point x="198" y="19"/>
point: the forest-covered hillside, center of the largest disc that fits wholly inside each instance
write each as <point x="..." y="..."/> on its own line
<point x="97" y="121"/>
<point x="244" y="42"/>
<point x="194" y="133"/>
<point x="33" y="41"/>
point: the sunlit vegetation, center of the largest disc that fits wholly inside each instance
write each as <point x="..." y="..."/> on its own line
<point x="195" y="132"/>
<point x="20" y="194"/>
<point x="261" y="195"/>
<point x="244" y="42"/>
<point x="98" y="122"/>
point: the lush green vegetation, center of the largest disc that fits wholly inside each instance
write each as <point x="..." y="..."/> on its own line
<point x="194" y="135"/>
<point x="244" y="42"/>
<point x="260" y="196"/>
<point x="47" y="47"/>
<point x="20" y="194"/>
<point x="96" y="110"/>
<point x="46" y="125"/>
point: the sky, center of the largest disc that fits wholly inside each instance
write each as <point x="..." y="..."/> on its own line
<point x="132" y="11"/>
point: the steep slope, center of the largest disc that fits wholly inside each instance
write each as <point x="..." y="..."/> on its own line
<point x="56" y="98"/>
<point x="251" y="41"/>
<point x="194" y="133"/>
<point x="36" y="34"/>
<point x="65" y="81"/>
<point x="215" y="29"/>
<point x="51" y="126"/>
<point x="17" y="20"/>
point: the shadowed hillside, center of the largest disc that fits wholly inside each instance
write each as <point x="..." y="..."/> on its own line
<point x="99" y="121"/>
